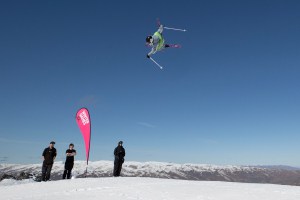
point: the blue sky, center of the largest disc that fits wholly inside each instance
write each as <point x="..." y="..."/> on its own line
<point x="230" y="95"/>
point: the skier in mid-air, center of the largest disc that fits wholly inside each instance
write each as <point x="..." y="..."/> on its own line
<point x="156" y="41"/>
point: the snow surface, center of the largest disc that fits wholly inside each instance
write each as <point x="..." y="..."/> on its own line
<point x="137" y="188"/>
<point x="129" y="167"/>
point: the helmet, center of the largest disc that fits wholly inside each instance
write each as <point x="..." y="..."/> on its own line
<point x="148" y="39"/>
<point x="120" y="143"/>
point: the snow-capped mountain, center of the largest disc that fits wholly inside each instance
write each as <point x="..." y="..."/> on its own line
<point x="247" y="174"/>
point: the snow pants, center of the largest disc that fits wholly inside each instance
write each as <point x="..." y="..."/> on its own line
<point x="68" y="170"/>
<point x="46" y="171"/>
<point x="118" y="166"/>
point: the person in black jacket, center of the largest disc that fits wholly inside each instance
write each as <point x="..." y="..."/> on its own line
<point x="70" y="153"/>
<point x="119" y="153"/>
<point x="49" y="155"/>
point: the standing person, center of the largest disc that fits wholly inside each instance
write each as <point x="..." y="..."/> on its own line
<point x="49" y="155"/>
<point x="70" y="153"/>
<point x="119" y="153"/>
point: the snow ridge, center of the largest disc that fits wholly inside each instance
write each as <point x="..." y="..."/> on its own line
<point x="231" y="173"/>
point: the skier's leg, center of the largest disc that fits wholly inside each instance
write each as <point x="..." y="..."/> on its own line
<point x="167" y="45"/>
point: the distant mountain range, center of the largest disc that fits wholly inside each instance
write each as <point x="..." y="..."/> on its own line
<point x="284" y="175"/>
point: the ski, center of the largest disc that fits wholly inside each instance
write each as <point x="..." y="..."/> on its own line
<point x="174" y="45"/>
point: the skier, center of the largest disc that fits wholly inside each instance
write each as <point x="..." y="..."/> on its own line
<point x="156" y="41"/>
<point x="49" y="155"/>
<point x="70" y="153"/>
<point x="119" y="153"/>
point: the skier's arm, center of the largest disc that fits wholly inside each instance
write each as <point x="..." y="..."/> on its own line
<point x="160" y="29"/>
<point x="153" y="51"/>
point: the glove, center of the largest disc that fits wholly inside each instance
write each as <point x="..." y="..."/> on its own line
<point x="148" y="56"/>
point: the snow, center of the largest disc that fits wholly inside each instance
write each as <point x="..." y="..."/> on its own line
<point x="132" y="187"/>
<point x="137" y="188"/>
<point x="130" y="168"/>
<point x="7" y="182"/>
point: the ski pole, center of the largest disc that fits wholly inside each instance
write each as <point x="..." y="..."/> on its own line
<point x="156" y="63"/>
<point x="175" y="29"/>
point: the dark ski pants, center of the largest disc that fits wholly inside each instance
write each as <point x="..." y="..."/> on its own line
<point x="68" y="170"/>
<point x="118" y="166"/>
<point x="46" y="171"/>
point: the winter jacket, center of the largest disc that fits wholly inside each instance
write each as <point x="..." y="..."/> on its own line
<point x="70" y="159"/>
<point x="49" y="155"/>
<point x="119" y="152"/>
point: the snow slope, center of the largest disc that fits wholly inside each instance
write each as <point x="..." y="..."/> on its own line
<point x="138" y="188"/>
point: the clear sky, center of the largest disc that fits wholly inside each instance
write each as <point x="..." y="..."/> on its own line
<point x="230" y="95"/>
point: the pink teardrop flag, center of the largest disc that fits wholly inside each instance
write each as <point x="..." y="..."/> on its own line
<point x="84" y="122"/>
